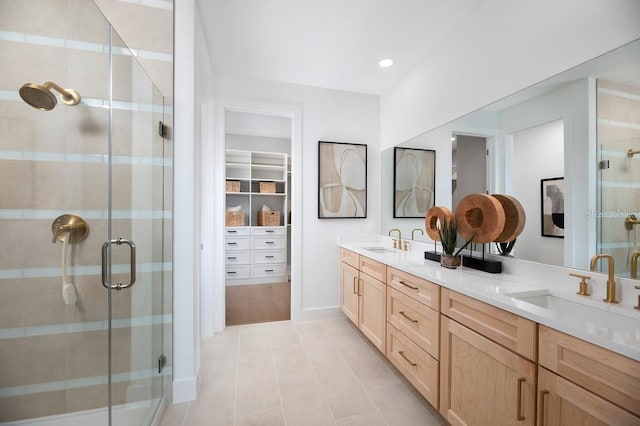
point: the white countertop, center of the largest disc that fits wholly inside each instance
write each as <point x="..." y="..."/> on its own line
<point x="610" y="326"/>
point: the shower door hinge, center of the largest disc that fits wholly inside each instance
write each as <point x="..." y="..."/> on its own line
<point x="162" y="129"/>
<point x="162" y="361"/>
<point x="604" y="164"/>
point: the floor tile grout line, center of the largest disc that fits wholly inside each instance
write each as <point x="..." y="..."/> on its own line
<point x="275" y="371"/>
<point x="235" y="396"/>
<point x="361" y="384"/>
<point x="315" y="374"/>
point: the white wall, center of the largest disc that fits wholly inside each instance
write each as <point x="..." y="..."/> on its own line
<point x="327" y="115"/>
<point x="517" y="45"/>
<point x="538" y="153"/>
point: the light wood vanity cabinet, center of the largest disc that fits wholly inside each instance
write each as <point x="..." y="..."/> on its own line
<point x="413" y="331"/>
<point x="586" y="384"/>
<point x="481" y="365"/>
<point x="482" y="382"/>
<point x="363" y="295"/>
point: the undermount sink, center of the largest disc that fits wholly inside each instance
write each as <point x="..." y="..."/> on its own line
<point x="554" y="303"/>
<point x="546" y="301"/>
<point x="378" y="249"/>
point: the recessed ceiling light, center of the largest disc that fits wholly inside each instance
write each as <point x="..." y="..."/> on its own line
<point x="385" y="63"/>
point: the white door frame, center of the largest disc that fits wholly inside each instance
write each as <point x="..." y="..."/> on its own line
<point x="212" y="206"/>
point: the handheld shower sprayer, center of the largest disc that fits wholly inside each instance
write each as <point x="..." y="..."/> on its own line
<point x="40" y="96"/>
<point x="69" y="229"/>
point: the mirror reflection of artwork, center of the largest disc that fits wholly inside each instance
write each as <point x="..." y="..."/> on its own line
<point x="552" y="198"/>
<point x="342" y="180"/>
<point x="414" y="182"/>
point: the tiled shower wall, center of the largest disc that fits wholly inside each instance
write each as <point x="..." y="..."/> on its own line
<point x="53" y="357"/>
<point x="618" y="112"/>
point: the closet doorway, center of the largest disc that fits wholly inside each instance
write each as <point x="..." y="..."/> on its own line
<point x="257" y="218"/>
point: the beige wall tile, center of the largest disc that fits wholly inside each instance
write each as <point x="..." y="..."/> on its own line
<point x="32" y="360"/>
<point x="33" y="405"/>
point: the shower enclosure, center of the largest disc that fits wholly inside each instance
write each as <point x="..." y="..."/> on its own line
<point x="85" y="317"/>
<point x="619" y="154"/>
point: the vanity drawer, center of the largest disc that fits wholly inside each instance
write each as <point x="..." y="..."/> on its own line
<point x="507" y="329"/>
<point x="350" y="258"/>
<point x="233" y="258"/>
<point x="421" y="290"/>
<point x="238" y="243"/>
<point x="417" y="321"/>
<point x="237" y="231"/>
<point x="259" y="242"/>
<point x="268" y="256"/>
<point x="414" y="363"/>
<point x="237" y="272"/>
<point x="266" y="230"/>
<point x="610" y="375"/>
<point x="373" y="268"/>
<point x="263" y="271"/>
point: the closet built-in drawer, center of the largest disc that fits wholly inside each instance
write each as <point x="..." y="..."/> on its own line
<point x="260" y="242"/>
<point x="417" y="321"/>
<point x="373" y="268"/>
<point x="419" y="289"/>
<point x="350" y="258"/>
<point x="234" y="258"/>
<point x="509" y="330"/>
<point x="268" y="256"/>
<point x="237" y="231"/>
<point x="610" y="375"/>
<point x="266" y="230"/>
<point x="263" y="271"/>
<point x="238" y="243"/>
<point x="414" y="363"/>
<point x="237" y="272"/>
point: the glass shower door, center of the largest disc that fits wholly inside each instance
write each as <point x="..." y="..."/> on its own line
<point x="133" y="252"/>
<point x="619" y="199"/>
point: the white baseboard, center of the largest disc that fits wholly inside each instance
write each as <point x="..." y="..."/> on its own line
<point x="185" y="390"/>
<point x="317" y="314"/>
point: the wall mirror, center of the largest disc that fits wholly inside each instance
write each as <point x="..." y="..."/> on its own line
<point x="582" y="125"/>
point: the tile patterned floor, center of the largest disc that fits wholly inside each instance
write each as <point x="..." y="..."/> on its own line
<point x="285" y="373"/>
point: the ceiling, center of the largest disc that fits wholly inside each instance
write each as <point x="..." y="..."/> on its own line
<point x="329" y="43"/>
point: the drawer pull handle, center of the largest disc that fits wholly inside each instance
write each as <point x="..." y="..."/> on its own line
<point x="408" y="317"/>
<point x="407" y="285"/>
<point x="355" y="289"/>
<point x="231" y="272"/>
<point x="543" y="393"/>
<point x="231" y="232"/>
<point x="231" y="244"/>
<point x="268" y="270"/>
<point x="269" y="257"/>
<point x="413" y="364"/>
<point x="231" y="258"/>
<point x="269" y="242"/>
<point x="269" y="231"/>
<point x="519" y="415"/>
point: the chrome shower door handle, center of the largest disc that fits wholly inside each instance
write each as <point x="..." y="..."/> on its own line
<point x="132" y="278"/>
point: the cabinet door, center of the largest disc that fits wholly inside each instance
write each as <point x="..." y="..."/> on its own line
<point x="482" y="383"/>
<point x="372" y="318"/>
<point x="349" y="292"/>
<point x="560" y="402"/>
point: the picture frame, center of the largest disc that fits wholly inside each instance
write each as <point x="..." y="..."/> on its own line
<point x="552" y="207"/>
<point x="342" y="180"/>
<point x="414" y="182"/>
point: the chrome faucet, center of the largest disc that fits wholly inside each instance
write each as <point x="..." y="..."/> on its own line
<point x="414" y="230"/>
<point x="399" y="238"/>
<point x="611" y="283"/>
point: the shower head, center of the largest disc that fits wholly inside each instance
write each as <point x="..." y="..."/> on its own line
<point x="40" y="96"/>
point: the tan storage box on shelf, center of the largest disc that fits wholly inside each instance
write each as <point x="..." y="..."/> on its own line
<point x="234" y="218"/>
<point x="268" y="218"/>
<point x="233" y="186"/>
<point x="267" y="187"/>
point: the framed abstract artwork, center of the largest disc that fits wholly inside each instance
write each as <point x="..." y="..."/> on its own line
<point x="552" y="207"/>
<point x="414" y="182"/>
<point x="342" y="180"/>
